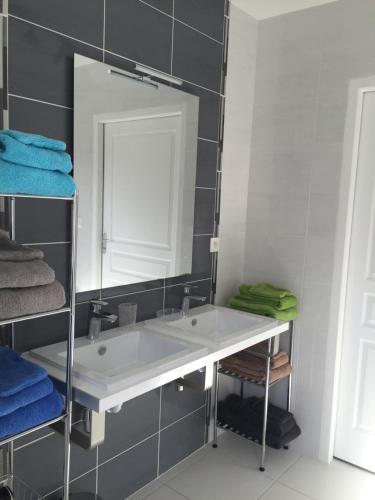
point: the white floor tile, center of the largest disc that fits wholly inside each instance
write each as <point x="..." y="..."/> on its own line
<point x="280" y="492"/>
<point x="216" y="478"/>
<point x="146" y="490"/>
<point x="165" y="493"/>
<point x="337" y="481"/>
<point x="245" y="452"/>
<point x="177" y="469"/>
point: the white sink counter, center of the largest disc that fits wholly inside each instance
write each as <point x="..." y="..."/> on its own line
<point x="124" y="364"/>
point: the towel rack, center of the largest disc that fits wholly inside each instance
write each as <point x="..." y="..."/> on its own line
<point x="267" y="385"/>
<point x="66" y="417"/>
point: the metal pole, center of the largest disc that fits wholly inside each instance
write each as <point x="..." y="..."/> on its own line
<point x="12" y="236"/>
<point x="70" y="349"/>
<point x="265" y="411"/>
<point x="216" y="373"/>
<point x="291" y="348"/>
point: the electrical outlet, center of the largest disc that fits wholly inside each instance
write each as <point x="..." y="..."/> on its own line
<point x="214" y="245"/>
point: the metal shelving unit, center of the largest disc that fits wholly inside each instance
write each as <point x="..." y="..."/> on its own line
<point x="66" y="417"/>
<point x="267" y="386"/>
<point x="20" y="489"/>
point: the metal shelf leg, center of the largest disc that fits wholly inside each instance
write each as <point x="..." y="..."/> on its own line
<point x="265" y="412"/>
<point x="216" y="394"/>
<point x="286" y="447"/>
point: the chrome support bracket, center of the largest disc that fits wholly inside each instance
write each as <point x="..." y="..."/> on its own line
<point x="90" y="433"/>
<point x="206" y="384"/>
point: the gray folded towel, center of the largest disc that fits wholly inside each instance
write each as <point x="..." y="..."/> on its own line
<point x="13" y="251"/>
<point x="25" y="274"/>
<point x="24" y="301"/>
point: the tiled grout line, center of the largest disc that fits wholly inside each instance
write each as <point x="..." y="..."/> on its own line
<point x="201" y="32"/>
<point x="172" y="42"/>
<point x="169" y="487"/>
<point x="182" y="22"/>
<point x="182" y="418"/>
<point x="40" y="101"/>
<point x="193" y="281"/>
<point x="12" y="16"/>
<point x="70" y="482"/>
<point x="208" y="140"/>
<point x="104" y="21"/>
<point x="127" y="449"/>
<point x="159" y="432"/>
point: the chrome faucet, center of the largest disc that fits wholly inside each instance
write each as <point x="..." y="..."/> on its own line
<point x="96" y="316"/>
<point x="188" y="298"/>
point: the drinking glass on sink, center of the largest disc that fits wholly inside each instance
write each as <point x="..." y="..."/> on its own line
<point x="127" y="314"/>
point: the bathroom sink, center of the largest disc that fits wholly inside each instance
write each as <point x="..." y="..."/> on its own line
<point x="118" y="361"/>
<point x="220" y="327"/>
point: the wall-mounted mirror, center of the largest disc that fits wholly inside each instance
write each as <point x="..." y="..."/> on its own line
<point x="135" y="147"/>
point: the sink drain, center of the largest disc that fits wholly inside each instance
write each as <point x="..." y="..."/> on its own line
<point x="102" y="350"/>
<point x="194" y="322"/>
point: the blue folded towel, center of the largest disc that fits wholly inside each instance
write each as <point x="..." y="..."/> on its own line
<point x="32" y="415"/>
<point x="16" y="373"/>
<point x="16" y="179"/>
<point x="18" y="152"/>
<point x="40" y="141"/>
<point x="25" y="397"/>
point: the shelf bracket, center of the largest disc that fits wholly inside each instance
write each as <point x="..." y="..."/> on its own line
<point x="204" y="386"/>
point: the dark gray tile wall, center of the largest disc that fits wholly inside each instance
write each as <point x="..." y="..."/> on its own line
<point x="180" y="37"/>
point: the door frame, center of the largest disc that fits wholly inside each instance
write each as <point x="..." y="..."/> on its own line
<point x="357" y="90"/>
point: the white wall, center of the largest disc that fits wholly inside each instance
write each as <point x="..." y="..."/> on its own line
<point x="305" y="61"/>
<point x="236" y="152"/>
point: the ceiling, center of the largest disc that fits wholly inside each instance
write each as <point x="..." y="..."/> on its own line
<point x="261" y="9"/>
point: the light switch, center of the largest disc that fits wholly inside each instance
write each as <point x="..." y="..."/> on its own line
<point x="214" y="245"/>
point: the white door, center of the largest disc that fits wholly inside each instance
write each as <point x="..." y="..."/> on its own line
<point x="355" y="431"/>
<point x="143" y="198"/>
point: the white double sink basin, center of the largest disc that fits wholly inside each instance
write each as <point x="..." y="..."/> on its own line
<point x="125" y="363"/>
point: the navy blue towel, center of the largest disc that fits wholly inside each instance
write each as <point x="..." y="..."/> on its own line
<point x="25" y="397"/>
<point x="31" y="415"/>
<point x="16" y="373"/>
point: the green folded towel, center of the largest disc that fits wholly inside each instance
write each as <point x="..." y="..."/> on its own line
<point x="264" y="293"/>
<point x="238" y="302"/>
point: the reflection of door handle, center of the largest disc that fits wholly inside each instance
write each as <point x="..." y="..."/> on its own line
<point x="104" y="242"/>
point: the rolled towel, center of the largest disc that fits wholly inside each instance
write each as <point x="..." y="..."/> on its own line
<point x="17" y="179"/>
<point x="25" y="397"/>
<point x="25" y="274"/>
<point x="15" y="151"/>
<point x="13" y="251"/>
<point x="39" y="141"/>
<point x="31" y="415"/>
<point x="16" y="302"/>
<point x="16" y="373"/>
